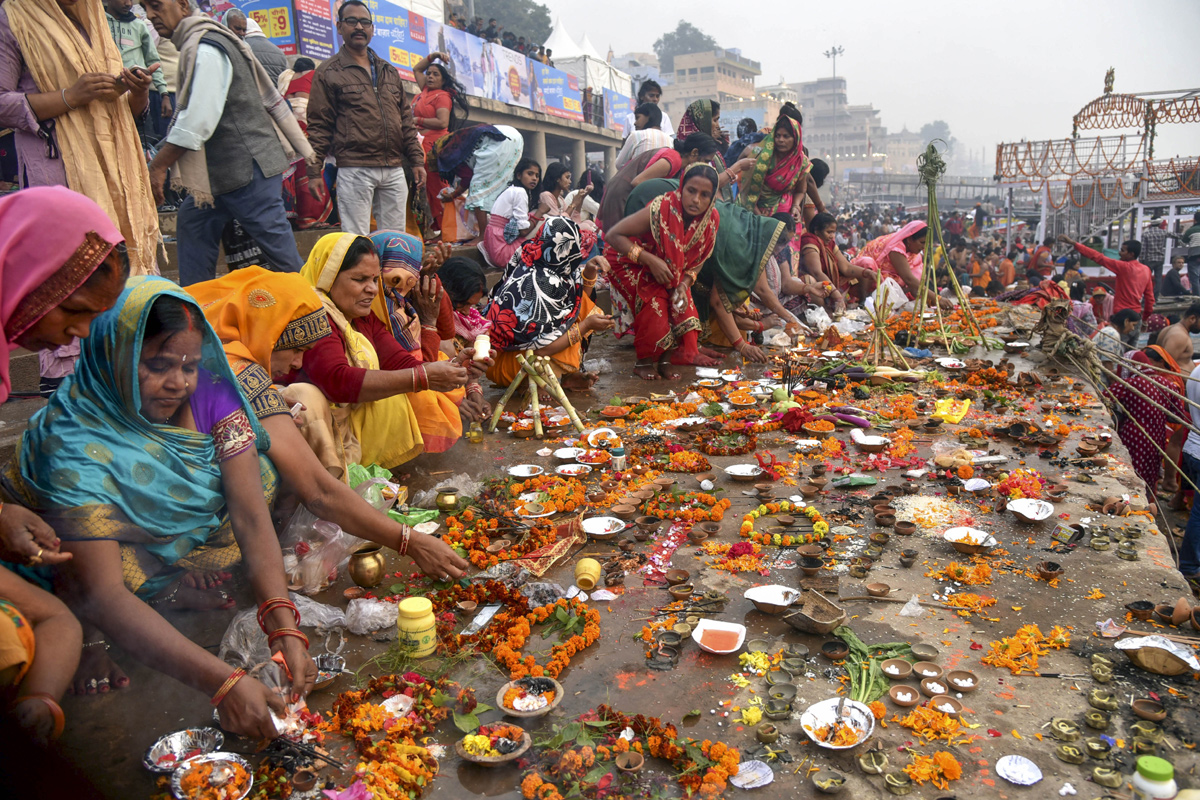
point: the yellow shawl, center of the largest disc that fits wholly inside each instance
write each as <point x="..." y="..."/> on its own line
<point x="101" y="151"/>
<point x="386" y="429"/>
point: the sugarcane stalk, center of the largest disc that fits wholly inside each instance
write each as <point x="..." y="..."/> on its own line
<point x="508" y="393"/>
<point x="534" y="396"/>
<point x="559" y="394"/>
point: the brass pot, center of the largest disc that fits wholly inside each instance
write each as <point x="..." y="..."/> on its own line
<point x="366" y="566"/>
<point x="447" y="500"/>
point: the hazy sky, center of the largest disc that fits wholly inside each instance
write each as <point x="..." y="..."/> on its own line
<point x="996" y="72"/>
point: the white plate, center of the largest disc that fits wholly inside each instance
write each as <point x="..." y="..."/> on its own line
<point x="569" y="453"/>
<point x="731" y="375"/>
<point x="773" y="594"/>
<point x="806" y="445"/>
<point x="752" y="775"/>
<point x="710" y="383"/>
<point x="525" y="471"/>
<point x="712" y="624"/>
<point x="534" y="516"/>
<point x="1019" y="770"/>
<point x="603" y="526"/>
<point x="573" y="470"/>
<point x="951" y="363"/>
<point x="675" y="423"/>
<point x="969" y="536"/>
<point x="1034" y="509"/>
<point x="744" y="470"/>
<point x="594" y="436"/>
<point x="818" y="715"/>
<point x="427" y="527"/>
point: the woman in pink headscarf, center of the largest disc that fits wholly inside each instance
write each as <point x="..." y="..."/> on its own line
<point x="898" y="256"/>
<point x="62" y="263"/>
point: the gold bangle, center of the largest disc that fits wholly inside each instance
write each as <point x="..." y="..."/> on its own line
<point x="634" y="253"/>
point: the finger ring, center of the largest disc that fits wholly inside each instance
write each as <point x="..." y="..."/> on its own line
<point x="34" y="560"/>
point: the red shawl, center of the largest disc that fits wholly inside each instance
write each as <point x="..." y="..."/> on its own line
<point x="684" y="247"/>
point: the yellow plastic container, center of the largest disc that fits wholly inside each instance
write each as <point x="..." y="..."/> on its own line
<point x="587" y="573"/>
<point x="416" y="626"/>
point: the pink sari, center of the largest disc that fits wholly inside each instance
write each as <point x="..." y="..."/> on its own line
<point x="875" y="255"/>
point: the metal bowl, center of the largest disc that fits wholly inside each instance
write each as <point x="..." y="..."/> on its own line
<point x="178" y="775"/>
<point x="193" y="741"/>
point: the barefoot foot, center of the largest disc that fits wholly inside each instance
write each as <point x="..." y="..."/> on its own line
<point x="708" y="351"/>
<point x="647" y="372"/>
<point x="97" y="673"/>
<point x="579" y="381"/>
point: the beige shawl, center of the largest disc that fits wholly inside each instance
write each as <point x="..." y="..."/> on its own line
<point x="191" y="171"/>
<point x="101" y="151"/>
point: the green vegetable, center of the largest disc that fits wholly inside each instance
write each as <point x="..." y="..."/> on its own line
<point x="867" y="685"/>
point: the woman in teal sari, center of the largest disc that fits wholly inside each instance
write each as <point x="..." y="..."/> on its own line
<point x="145" y="463"/>
<point x="745" y="242"/>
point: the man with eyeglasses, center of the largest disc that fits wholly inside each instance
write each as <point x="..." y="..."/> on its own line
<point x="359" y="113"/>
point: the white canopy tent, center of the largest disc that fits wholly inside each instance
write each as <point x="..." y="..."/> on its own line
<point x="430" y="9"/>
<point x="582" y="61"/>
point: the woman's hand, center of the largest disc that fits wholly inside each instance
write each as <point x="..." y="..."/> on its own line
<point x="594" y="323"/>
<point x="34" y="718"/>
<point x="436" y="558"/>
<point x="434" y="257"/>
<point x="26" y="539"/>
<point x="445" y="376"/>
<point x="475" y="369"/>
<point x="680" y="295"/>
<point x="596" y="267"/>
<point x="94" y="86"/>
<point x="474" y="408"/>
<point x="658" y="269"/>
<point x="300" y="664"/>
<point x="839" y="302"/>
<point x="246" y="710"/>
<point x="752" y="352"/>
<point x="427" y="297"/>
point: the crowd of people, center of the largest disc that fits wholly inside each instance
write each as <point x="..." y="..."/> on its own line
<point x="135" y="489"/>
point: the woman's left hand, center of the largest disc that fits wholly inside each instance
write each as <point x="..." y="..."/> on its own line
<point x="474" y="408"/>
<point x="26" y="539"/>
<point x="302" y="666"/>
<point x="427" y="297"/>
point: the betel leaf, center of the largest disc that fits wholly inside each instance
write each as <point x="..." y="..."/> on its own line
<point x="440" y="699"/>
<point x="466" y="722"/>
<point x="396" y="588"/>
<point x="482" y="708"/>
<point x="596" y="774"/>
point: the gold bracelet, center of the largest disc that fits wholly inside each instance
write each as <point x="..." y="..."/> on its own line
<point x="634" y="253"/>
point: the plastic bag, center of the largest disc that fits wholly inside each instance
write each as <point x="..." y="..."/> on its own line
<point x="320" y="548"/>
<point x="464" y="483"/>
<point x="913" y="607"/>
<point x="598" y="366"/>
<point x="816" y="317"/>
<point x="366" y="614"/>
<point x="543" y="593"/>
<point x="849" y="327"/>
<point x="318" y="615"/>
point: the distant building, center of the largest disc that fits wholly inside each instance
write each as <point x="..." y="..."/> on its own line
<point x="903" y="149"/>
<point x="861" y="138"/>
<point x="722" y="75"/>
<point x="640" y="66"/>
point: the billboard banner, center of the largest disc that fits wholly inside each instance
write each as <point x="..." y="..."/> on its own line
<point x="441" y="38"/>
<point x="554" y="92"/>
<point x="616" y="108"/>
<point x="506" y="75"/>
<point x="316" y="35"/>
<point x="399" y="35"/>
<point x="273" y="16"/>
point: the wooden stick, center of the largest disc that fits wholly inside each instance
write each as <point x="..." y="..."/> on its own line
<point x="547" y="371"/>
<point x="508" y="393"/>
<point x="534" y="398"/>
<point x="898" y="600"/>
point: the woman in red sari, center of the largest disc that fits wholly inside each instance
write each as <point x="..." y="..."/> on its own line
<point x="433" y="114"/>
<point x="656" y="255"/>
<point x="1143" y="424"/>
<point x="824" y="263"/>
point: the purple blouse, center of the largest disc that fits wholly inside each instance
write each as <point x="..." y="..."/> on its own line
<point x="217" y="410"/>
<point x="36" y="168"/>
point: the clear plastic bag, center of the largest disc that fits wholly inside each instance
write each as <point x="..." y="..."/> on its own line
<point x="366" y="614"/>
<point x="244" y="644"/>
<point x="913" y="607"/>
<point x="314" y="549"/>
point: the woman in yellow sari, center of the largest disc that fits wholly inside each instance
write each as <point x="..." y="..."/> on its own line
<point x="267" y="321"/>
<point x="355" y="385"/>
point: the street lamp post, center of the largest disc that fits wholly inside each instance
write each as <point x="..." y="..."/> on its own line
<point x="833" y="53"/>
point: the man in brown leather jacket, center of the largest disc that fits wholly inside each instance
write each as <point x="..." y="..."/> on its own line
<point x="359" y="113"/>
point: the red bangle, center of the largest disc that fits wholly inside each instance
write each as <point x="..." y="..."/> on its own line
<point x="275" y="636"/>
<point x="404" y="541"/>
<point x="228" y="685"/>
<point x="269" y="605"/>
<point x="60" y="719"/>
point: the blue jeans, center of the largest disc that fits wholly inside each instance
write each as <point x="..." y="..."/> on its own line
<point x="258" y="206"/>
<point x="1189" y="551"/>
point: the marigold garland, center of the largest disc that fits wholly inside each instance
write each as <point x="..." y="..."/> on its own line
<point x="1019" y="652"/>
<point x="687" y="506"/>
<point x="977" y="573"/>
<point x="820" y="526"/>
<point x="938" y="769"/>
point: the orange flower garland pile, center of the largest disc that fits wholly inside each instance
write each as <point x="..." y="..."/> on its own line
<point x="566" y="494"/>
<point x="508" y="652"/>
<point x="692" y="507"/>
<point x="820" y="526"/>
<point x="471" y="535"/>
<point x="938" y="769"/>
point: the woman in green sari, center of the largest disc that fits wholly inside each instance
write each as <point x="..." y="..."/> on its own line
<point x="745" y="241"/>
<point x="145" y="464"/>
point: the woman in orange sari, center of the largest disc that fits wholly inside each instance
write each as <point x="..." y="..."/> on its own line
<point x="656" y="255"/>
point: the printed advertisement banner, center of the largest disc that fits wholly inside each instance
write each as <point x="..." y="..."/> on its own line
<point x="443" y="39"/>
<point x="616" y="108"/>
<point x="273" y="16"/>
<point x="506" y="75"/>
<point x="556" y="93"/>
<point x="399" y="36"/>
<point x="315" y="33"/>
